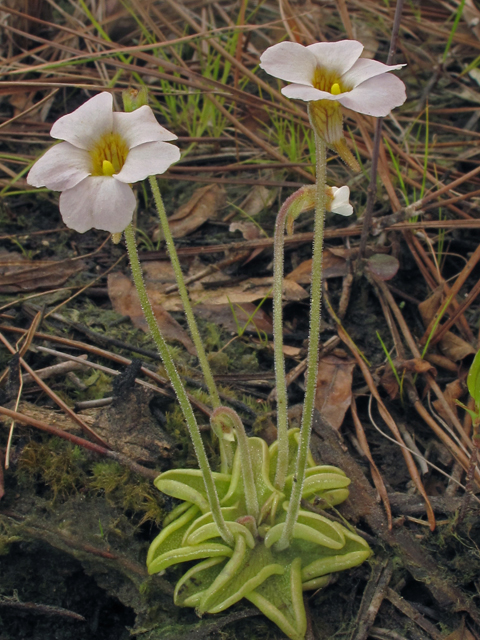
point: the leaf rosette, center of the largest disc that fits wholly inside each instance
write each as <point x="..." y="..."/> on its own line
<point x="253" y="568"/>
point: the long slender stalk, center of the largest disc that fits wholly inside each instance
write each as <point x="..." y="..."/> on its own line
<point x="313" y="346"/>
<point x="177" y="385"/>
<point x="182" y="289"/>
<point x="280" y="379"/>
<point x="226" y="452"/>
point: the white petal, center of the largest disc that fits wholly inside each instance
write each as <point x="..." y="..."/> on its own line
<point x="61" y="167"/>
<point x="98" y="202"/>
<point x="341" y="195"/>
<point x="84" y="126"/>
<point x="148" y="159"/>
<point x="140" y="126"/>
<point x="289" y="61"/>
<point x="340" y="203"/>
<point x="336" y="57"/>
<point x="375" y="97"/>
<point x="364" y="69"/>
<point x="301" y="92"/>
<point x="344" y="209"/>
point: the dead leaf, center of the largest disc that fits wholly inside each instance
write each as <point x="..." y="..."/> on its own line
<point x="453" y="391"/>
<point x="291" y="352"/>
<point x="125" y="300"/>
<point x="462" y="633"/>
<point x="251" y="290"/>
<point x="334" y="388"/>
<point x="222" y="315"/>
<point x="429" y="307"/>
<point x="415" y="365"/>
<point x="202" y="206"/>
<point x="249" y="230"/>
<point x="141" y="439"/>
<point x="17" y="274"/>
<point x="258" y="199"/>
<point x="383" y="266"/>
<point x="452" y="346"/>
<point x="334" y="266"/>
<point x="455" y="348"/>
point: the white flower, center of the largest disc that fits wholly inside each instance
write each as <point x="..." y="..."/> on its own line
<point x="328" y="74"/>
<point x="102" y="154"/>
<point x="334" y="71"/>
<point x="340" y="200"/>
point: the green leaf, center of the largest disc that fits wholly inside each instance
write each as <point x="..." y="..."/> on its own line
<point x="473" y="380"/>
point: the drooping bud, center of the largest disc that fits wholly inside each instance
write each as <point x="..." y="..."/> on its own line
<point x="134" y="98"/>
<point x="327" y="122"/>
<point x="304" y="200"/>
<point x="222" y="425"/>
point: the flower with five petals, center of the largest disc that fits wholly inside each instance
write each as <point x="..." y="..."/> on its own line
<point x="103" y="152"/>
<point x="330" y="74"/>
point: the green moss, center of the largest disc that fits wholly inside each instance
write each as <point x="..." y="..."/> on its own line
<point x="249" y="362"/>
<point x="55" y="463"/>
<point x="212" y="336"/>
<point x="63" y="470"/>
<point x="219" y="362"/>
<point x="127" y="490"/>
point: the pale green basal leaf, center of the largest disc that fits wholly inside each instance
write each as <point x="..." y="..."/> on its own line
<point x="185" y="554"/>
<point x="193" y="584"/>
<point x="245" y="571"/>
<point x="171" y="536"/>
<point x="209" y="531"/>
<point x="281" y="599"/>
<point x="355" y="551"/>
<point x="473" y="380"/>
<point x="229" y="514"/>
<point x="319" y="482"/>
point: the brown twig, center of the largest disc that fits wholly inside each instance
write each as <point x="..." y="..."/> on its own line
<point x="376" y="475"/>
<point x="373" y="597"/>
<point x="51" y="394"/>
<point x="385" y="415"/>
<point x="81" y="442"/>
<point x="39" y="609"/>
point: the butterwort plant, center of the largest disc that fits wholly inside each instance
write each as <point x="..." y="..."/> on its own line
<point x="248" y="529"/>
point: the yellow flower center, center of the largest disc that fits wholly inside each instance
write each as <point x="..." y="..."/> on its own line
<point x="108" y="155"/>
<point x="326" y="81"/>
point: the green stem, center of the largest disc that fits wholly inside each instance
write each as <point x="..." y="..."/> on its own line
<point x="177" y="385"/>
<point x="313" y="346"/>
<point x="226" y="453"/>
<point x="182" y="289"/>
<point x="280" y="380"/>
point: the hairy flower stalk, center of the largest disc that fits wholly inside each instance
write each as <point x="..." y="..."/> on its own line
<point x="327" y="76"/>
<point x="225" y="446"/>
<point x="177" y="385"/>
<point x="313" y="346"/>
<point x="336" y="201"/>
